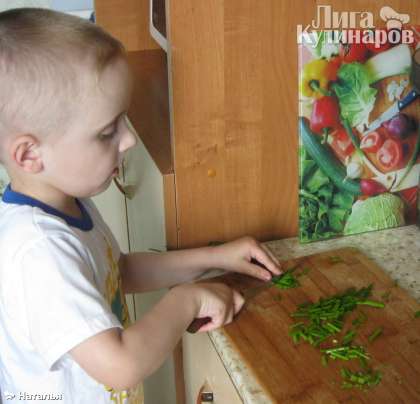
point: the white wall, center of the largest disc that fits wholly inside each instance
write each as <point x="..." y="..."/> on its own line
<point x="6" y="4"/>
<point x="69" y="5"/>
<point x="4" y="179"/>
<point x="62" y="5"/>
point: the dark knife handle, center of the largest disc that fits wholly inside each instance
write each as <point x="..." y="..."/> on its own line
<point x="197" y="323"/>
<point x="408" y="99"/>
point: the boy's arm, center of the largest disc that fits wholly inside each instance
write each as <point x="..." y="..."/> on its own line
<point x="123" y="358"/>
<point x="147" y="271"/>
<point x="142" y="271"/>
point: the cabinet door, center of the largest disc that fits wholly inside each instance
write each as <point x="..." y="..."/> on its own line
<point x="146" y="230"/>
<point x="145" y="211"/>
<point x="204" y="371"/>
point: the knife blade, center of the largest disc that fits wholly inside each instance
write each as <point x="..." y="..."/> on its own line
<point x="392" y="111"/>
<point x="411" y="179"/>
<point x="250" y="293"/>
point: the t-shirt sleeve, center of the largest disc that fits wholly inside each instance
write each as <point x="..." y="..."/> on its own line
<point x="63" y="304"/>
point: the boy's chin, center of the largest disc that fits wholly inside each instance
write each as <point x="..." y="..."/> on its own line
<point x="89" y="193"/>
<point x="103" y="187"/>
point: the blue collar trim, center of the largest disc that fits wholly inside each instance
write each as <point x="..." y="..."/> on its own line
<point x="84" y="223"/>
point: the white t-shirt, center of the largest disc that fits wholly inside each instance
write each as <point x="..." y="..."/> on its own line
<point x="59" y="285"/>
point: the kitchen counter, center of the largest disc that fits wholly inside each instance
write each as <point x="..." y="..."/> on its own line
<point x="396" y="251"/>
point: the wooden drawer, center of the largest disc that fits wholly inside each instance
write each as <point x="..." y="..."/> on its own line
<point x="203" y="367"/>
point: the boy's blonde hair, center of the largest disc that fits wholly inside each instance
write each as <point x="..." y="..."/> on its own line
<point x="46" y="57"/>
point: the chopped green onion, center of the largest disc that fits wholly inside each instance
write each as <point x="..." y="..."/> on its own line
<point x="363" y="379"/>
<point x="287" y="281"/>
<point x="371" y="303"/>
<point x="325" y="318"/>
<point x="375" y="334"/>
<point x="348" y="338"/>
<point x="360" y="319"/>
<point x="346" y="352"/>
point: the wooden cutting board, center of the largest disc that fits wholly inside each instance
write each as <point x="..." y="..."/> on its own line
<point x="290" y="373"/>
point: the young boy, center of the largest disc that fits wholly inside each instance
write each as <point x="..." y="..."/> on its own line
<point x="64" y="332"/>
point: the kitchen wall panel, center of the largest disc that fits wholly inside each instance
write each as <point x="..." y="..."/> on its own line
<point x="233" y="67"/>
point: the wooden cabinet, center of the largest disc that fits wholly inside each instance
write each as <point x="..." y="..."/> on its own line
<point x="215" y="114"/>
<point x="205" y="374"/>
<point x="218" y="111"/>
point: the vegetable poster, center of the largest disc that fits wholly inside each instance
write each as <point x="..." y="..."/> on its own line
<point x="359" y="113"/>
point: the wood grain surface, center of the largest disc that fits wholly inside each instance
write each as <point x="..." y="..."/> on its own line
<point x="234" y="113"/>
<point x="128" y="21"/>
<point x="233" y="90"/>
<point x="149" y="109"/>
<point x="290" y="373"/>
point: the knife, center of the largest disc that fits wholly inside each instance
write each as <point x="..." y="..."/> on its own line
<point x="389" y="179"/>
<point x="247" y="294"/>
<point x="392" y="111"/>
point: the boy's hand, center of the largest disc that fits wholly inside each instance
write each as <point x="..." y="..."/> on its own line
<point x="237" y="256"/>
<point x="214" y="300"/>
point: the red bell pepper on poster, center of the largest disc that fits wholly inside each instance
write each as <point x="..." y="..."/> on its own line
<point x="353" y="52"/>
<point x="333" y="66"/>
<point x="341" y="143"/>
<point x="371" y="142"/>
<point x="325" y="115"/>
<point x="378" y="49"/>
<point x="379" y="35"/>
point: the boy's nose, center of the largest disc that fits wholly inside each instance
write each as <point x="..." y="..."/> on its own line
<point x="128" y="140"/>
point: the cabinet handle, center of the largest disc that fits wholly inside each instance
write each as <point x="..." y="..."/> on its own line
<point x="127" y="190"/>
<point x="205" y="395"/>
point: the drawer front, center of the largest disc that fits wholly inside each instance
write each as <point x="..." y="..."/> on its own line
<point x="205" y="373"/>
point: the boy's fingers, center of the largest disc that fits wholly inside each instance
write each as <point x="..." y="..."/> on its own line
<point x="207" y="327"/>
<point x="263" y="258"/>
<point x="229" y="317"/>
<point x="238" y="302"/>
<point x="218" y="321"/>
<point x="271" y="255"/>
<point x="255" y="271"/>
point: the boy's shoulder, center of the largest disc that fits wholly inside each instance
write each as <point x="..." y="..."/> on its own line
<point x="23" y="225"/>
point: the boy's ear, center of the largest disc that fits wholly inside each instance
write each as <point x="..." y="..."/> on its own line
<point x="25" y="153"/>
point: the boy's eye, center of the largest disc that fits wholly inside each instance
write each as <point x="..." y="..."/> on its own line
<point x="112" y="129"/>
<point x="108" y="135"/>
